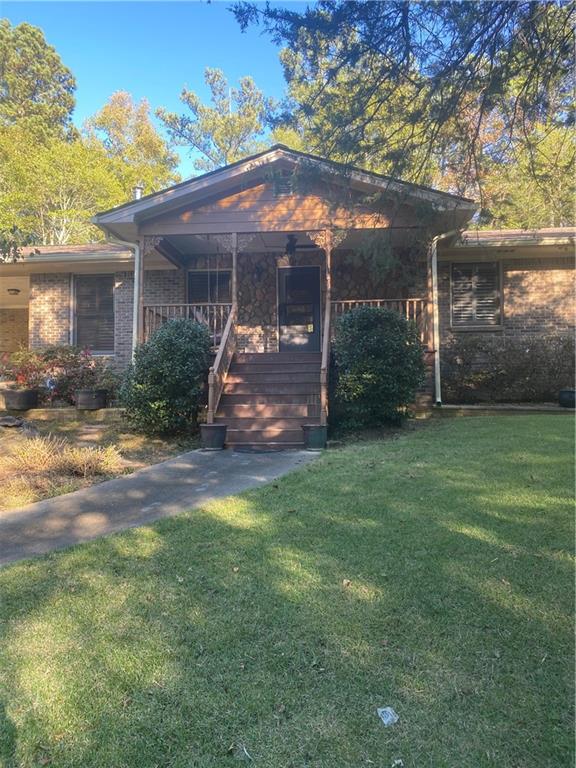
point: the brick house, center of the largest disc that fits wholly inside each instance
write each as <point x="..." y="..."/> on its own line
<point x="268" y="252"/>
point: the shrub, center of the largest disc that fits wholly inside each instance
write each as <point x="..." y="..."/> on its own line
<point x="163" y="387"/>
<point x="477" y="368"/>
<point x="69" y="368"/>
<point x="379" y="366"/>
<point x="58" y="371"/>
<point x="25" y="367"/>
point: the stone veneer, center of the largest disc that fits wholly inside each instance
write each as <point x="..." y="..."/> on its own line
<point x="13" y="329"/>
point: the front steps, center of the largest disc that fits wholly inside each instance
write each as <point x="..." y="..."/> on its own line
<point x="267" y="397"/>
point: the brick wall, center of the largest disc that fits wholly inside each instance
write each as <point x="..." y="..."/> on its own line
<point x="538" y="303"/>
<point x="49" y="306"/>
<point x="166" y="286"/>
<point x="13" y="329"/>
<point x="49" y="310"/>
<point x="537" y="298"/>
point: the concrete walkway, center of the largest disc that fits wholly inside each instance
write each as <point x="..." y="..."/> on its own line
<point x="157" y="491"/>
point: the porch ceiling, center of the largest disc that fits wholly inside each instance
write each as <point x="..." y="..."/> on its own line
<point x="275" y="242"/>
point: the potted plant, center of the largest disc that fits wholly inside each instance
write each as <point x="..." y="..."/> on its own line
<point x="95" y="384"/>
<point x="24" y="371"/>
<point x="315" y="436"/>
<point x="567" y="398"/>
<point x="213" y="436"/>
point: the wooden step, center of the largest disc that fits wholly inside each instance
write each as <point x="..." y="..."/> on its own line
<point x="278" y="357"/>
<point x="265" y="447"/>
<point x="262" y="424"/>
<point x="235" y="436"/>
<point x="269" y="398"/>
<point x="282" y="377"/>
<point x="271" y="388"/>
<point x="266" y="410"/>
<point x="259" y="368"/>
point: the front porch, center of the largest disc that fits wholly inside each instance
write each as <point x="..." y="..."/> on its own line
<point x="271" y="309"/>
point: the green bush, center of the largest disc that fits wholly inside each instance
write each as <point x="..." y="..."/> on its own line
<point x="379" y="366"/>
<point x="163" y="387"/>
<point x="482" y="368"/>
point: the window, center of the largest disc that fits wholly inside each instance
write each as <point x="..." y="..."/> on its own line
<point x="283" y="184"/>
<point x="475" y="295"/>
<point x="94" y="298"/>
<point x="207" y="287"/>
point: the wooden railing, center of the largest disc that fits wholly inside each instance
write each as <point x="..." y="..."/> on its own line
<point x="214" y="316"/>
<point x="219" y="369"/>
<point x="411" y="309"/>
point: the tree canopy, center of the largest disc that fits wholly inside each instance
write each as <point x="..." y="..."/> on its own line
<point x="228" y="130"/>
<point x="36" y="89"/>
<point x="139" y="153"/>
<point x="458" y="95"/>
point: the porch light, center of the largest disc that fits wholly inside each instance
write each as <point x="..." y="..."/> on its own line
<point x="13" y="291"/>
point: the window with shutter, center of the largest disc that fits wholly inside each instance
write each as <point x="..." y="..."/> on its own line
<point x="207" y="287"/>
<point x="94" y="301"/>
<point x="475" y="295"/>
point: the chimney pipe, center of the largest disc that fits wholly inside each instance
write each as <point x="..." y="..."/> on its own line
<point x="137" y="192"/>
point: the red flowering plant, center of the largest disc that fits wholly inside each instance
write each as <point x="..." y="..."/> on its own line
<point x="69" y="369"/>
<point x="24" y="369"/>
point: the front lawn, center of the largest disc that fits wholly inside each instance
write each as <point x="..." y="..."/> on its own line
<point x="431" y="573"/>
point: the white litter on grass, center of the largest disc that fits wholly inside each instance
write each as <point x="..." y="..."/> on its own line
<point x="387" y="715"/>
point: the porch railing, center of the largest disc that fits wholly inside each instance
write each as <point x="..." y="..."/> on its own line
<point x="412" y="309"/>
<point x="214" y="316"/>
<point x="219" y="369"/>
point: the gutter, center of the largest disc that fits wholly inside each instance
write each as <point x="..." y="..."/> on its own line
<point x="436" y="313"/>
<point x="138" y="282"/>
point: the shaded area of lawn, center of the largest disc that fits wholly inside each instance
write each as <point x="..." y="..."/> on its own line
<point x="431" y="573"/>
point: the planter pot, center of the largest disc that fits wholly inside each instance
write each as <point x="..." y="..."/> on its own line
<point x="567" y="398"/>
<point x="21" y="399"/>
<point x="315" y="436"/>
<point x="213" y="436"/>
<point x="91" y="399"/>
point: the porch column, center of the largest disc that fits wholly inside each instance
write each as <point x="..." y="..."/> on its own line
<point x="327" y="239"/>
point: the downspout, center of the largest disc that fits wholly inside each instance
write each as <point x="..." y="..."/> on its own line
<point x="137" y="296"/>
<point x="436" y="313"/>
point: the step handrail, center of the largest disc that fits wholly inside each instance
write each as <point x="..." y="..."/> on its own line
<point x="220" y="367"/>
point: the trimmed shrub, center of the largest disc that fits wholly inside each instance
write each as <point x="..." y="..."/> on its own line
<point x="379" y="363"/>
<point x="163" y="387"/>
<point x="479" y="368"/>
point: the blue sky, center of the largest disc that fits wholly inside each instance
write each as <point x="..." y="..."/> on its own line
<point x="151" y="49"/>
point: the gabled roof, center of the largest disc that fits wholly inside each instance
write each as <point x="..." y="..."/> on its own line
<point x="215" y="181"/>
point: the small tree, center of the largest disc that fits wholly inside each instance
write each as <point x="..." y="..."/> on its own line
<point x="379" y="366"/>
<point x="163" y="387"/>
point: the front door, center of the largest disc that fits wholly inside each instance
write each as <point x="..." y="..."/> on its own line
<point x="299" y="309"/>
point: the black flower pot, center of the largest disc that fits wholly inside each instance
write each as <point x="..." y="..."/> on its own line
<point x="91" y="399"/>
<point x="213" y="436"/>
<point x="20" y="399"/>
<point x="567" y="398"/>
<point x="315" y="436"/>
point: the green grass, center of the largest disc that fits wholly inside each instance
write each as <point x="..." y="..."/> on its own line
<point x="431" y="573"/>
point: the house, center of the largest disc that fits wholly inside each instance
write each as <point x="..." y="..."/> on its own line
<point x="268" y="252"/>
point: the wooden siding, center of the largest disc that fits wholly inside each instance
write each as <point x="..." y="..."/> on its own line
<point x="257" y="209"/>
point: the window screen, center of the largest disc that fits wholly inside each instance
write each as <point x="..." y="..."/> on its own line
<point x="209" y="287"/>
<point x="95" y="312"/>
<point x="475" y="294"/>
